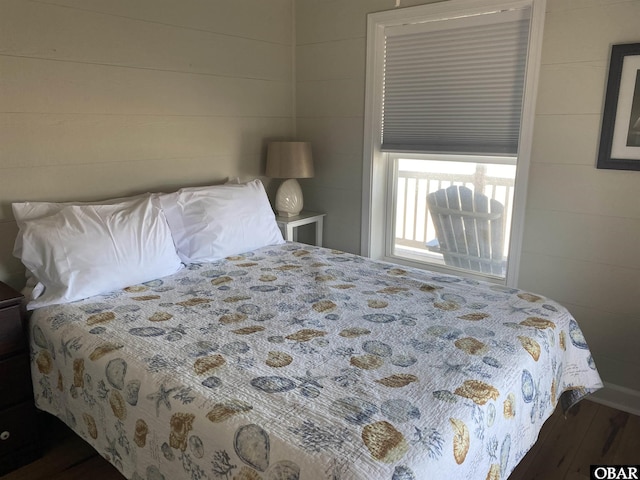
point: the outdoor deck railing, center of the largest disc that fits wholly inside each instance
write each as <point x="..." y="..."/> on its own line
<point x="414" y="226"/>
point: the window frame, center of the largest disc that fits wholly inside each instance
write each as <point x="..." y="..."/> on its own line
<point x="392" y="160"/>
<point x="377" y="200"/>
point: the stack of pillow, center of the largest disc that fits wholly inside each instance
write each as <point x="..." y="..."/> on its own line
<point x="73" y="251"/>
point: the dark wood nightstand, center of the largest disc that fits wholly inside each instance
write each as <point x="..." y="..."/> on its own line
<point x="19" y="442"/>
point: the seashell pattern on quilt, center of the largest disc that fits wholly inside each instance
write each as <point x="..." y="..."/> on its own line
<point x="298" y="362"/>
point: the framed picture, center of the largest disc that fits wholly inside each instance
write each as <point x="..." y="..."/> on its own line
<point x="620" y="135"/>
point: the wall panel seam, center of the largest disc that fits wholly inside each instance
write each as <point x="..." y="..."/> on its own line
<point x="135" y="67"/>
<point x="580" y="260"/>
<point x="586" y="214"/>
<point x="155" y="22"/>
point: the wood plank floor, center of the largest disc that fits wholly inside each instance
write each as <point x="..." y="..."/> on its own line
<point x="591" y="434"/>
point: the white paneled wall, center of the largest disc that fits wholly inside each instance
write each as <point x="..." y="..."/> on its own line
<point x="330" y="94"/>
<point x="101" y="98"/>
<point x="582" y="226"/>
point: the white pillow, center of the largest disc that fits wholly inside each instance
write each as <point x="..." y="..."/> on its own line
<point x="86" y="250"/>
<point x="210" y="223"/>
<point x="25" y="211"/>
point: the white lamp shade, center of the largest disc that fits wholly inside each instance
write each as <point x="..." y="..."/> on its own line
<point x="289" y="199"/>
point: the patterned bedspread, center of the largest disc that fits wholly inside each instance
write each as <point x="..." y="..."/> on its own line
<point x="302" y="362"/>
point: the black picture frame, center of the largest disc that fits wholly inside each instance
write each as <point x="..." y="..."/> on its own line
<point x="620" y="133"/>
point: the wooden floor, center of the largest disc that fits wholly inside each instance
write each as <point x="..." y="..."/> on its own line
<point x="591" y="434"/>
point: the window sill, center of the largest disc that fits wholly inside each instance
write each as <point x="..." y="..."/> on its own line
<point x="411" y="257"/>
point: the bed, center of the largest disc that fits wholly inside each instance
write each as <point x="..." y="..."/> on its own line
<point x="289" y="361"/>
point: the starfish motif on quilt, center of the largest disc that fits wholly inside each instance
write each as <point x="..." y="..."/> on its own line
<point x="113" y="451"/>
<point x="451" y="368"/>
<point x="309" y="379"/>
<point x="161" y="397"/>
<point x="297" y="321"/>
<point x="194" y="292"/>
<point x="307" y="322"/>
<point x="209" y="328"/>
<point x="514" y="309"/>
<point x="67" y="346"/>
<point x="180" y="329"/>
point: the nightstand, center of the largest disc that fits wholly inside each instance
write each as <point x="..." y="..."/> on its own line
<point x="288" y="225"/>
<point x="19" y="442"/>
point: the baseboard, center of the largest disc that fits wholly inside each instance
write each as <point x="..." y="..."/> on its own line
<point x="621" y="398"/>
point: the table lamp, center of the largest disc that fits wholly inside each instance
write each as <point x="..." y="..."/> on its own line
<point x="289" y="160"/>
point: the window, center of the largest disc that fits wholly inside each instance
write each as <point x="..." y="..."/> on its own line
<point x="448" y="122"/>
<point x="419" y="230"/>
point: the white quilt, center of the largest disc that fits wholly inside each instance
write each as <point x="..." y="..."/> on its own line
<point x="297" y="362"/>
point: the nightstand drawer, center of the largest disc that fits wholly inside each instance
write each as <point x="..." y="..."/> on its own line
<point x="15" y="378"/>
<point x="18" y="430"/>
<point x="12" y="337"/>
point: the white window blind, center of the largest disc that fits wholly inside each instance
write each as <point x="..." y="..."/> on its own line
<point x="455" y="86"/>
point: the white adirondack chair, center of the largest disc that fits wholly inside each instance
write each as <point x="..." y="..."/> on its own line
<point x="469" y="229"/>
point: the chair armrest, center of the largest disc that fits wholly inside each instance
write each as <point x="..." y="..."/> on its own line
<point x="433" y="245"/>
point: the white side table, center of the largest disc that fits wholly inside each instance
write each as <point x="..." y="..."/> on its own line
<point x="288" y="225"/>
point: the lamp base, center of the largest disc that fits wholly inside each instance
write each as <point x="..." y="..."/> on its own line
<point x="286" y="214"/>
<point x="289" y="200"/>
